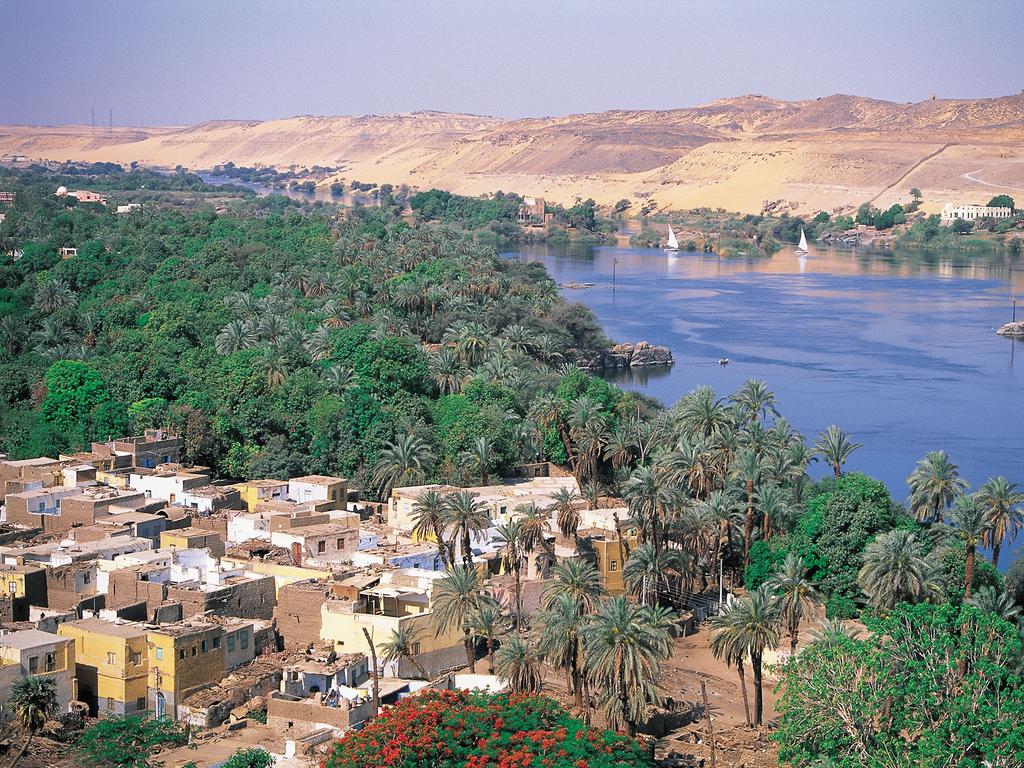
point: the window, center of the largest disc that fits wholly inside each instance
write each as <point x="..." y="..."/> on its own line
<point x="613" y="565"/>
<point x="231" y="643"/>
<point x="86" y="577"/>
<point x="42" y="506"/>
<point x="415" y="649"/>
<point x="159" y="653"/>
<point x="12" y="587"/>
<point x="33" y="664"/>
<point x="195" y="651"/>
<point x="140" y="703"/>
<point x="111" y="704"/>
<point x="204" y="646"/>
<point x="111" y="658"/>
<point x="181" y="654"/>
<point x="340" y="544"/>
<point x="51" y="662"/>
<point x="216" y="642"/>
<point x="245" y="640"/>
<point x="321" y="546"/>
<point x="136" y="658"/>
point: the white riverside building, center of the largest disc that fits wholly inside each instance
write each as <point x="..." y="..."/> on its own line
<point x="952" y="212"/>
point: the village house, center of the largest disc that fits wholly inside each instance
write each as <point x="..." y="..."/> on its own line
<point x="183" y="658"/>
<point x="82" y="195"/>
<point x="111" y="662"/>
<point x="23" y="587"/>
<point x="28" y="474"/>
<point x="192" y="538"/>
<point x="327" y="542"/>
<point x="168" y="482"/>
<point x="31" y="652"/>
<point x="153" y="447"/>
<point x="210" y="499"/>
<point x="318" y="488"/>
<point x="58" y="509"/>
<point x="531" y="212"/>
<point x="253" y="492"/>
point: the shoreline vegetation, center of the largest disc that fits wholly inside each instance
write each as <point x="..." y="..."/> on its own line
<point x="281" y="339"/>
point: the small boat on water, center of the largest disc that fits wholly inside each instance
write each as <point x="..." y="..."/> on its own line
<point x="673" y="244"/>
<point x="723" y="361"/>
<point x="801" y="249"/>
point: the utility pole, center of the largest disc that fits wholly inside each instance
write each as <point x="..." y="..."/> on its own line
<point x="614" y="262"/>
<point x="110" y="120"/>
<point x="1013" y="303"/>
<point x="376" y="679"/>
<point x="92" y="122"/>
<point x="711" y="728"/>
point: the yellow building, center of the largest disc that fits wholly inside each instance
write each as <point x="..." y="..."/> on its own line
<point x="183" y="658"/>
<point x="612" y="554"/>
<point x="31" y="652"/>
<point x="254" y="492"/>
<point x="111" y="664"/>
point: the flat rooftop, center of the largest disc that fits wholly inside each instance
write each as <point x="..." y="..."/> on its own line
<point x="109" y="628"/>
<point x="317" y="479"/>
<point x="29" y="638"/>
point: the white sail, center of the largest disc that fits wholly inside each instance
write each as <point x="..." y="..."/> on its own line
<point x="673" y="244"/>
<point x="803" y="242"/>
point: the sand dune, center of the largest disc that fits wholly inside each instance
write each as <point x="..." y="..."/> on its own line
<point x="736" y="153"/>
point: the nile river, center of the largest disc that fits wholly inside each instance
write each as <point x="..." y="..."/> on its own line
<point x="899" y="351"/>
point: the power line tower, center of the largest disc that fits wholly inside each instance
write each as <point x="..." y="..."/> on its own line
<point x="110" y="120"/>
<point x="93" y="120"/>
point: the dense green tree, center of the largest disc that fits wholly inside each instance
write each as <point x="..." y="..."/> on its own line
<point x="1001" y="201"/>
<point x="929" y="684"/>
<point x="127" y="742"/>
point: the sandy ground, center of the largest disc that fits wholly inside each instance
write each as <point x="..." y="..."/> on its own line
<point x="828" y="154"/>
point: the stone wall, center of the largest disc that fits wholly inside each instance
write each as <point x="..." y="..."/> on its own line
<point x="298" y="613"/>
<point x="248" y="599"/>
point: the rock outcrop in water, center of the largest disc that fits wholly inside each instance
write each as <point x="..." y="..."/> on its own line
<point x="639" y="355"/>
<point x="1013" y="330"/>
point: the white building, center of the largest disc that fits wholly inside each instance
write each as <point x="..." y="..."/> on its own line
<point x="951" y="212"/>
<point x="167" y="482"/>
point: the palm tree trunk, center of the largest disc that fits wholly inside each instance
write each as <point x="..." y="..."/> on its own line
<point x="470" y="656"/>
<point x="996" y="546"/>
<point x="755" y="662"/>
<point x="519" y="596"/>
<point x="419" y="668"/>
<point x="23" y="750"/>
<point x="442" y="550"/>
<point x="748" y="529"/>
<point x="969" y="572"/>
<point x="838" y="470"/>
<point x="376" y="679"/>
<point x="794" y="633"/>
<point x="743" y="691"/>
<point x="490" y="655"/>
<point x="577" y="683"/>
<point x="467" y="552"/>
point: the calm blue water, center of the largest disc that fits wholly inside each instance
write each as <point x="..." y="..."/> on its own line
<point x="902" y="353"/>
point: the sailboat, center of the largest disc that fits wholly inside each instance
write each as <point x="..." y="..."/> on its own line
<point x="673" y="244"/>
<point x="801" y="250"/>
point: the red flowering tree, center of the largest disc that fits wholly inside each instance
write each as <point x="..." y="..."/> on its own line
<point x="460" y="729"/>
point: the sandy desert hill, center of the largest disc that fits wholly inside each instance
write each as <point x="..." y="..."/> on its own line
<point x="735" y="153"/>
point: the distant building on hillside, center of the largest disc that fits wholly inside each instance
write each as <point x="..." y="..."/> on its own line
<point x="531" y="212"/>
<point x="951" y="212"/>
<point x="6" y="198"/>
<point x="83" y="195"/>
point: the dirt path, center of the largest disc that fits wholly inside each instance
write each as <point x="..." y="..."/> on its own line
<point x="911" y="169"/>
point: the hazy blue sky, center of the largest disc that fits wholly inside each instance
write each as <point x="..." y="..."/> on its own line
<point x="154" y="61"/>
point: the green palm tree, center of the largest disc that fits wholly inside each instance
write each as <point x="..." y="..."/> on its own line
<point x="649" y="492"/>
<point x="559" y="625"/>
<point x="488" y="623"/>
<point x="53" y="295"/>
<point x="456" y="597"/>
<point x="466" y="516"/>
<point x="701" y="412"/>
<point x="972" y="525"/>
<point x="747" y="470"/>
<point x="339" y="379"/>
<point x="751" y="625"/>
<point x="402" y="645"/>
<point x="755" y="400"/>
<point x="235" y="336"/>
<point x="480" y="456"/>
<point x="796" y="595"/>
<point x="934" y="484"/>
<point x="535" y="527"/>
<point x="13" y="333"/>
<point x="519" y="663"/>
<point x="896" y="571"/>
<point x="405" y="462"/>
<point x="577" y="578"/>
<point x="1001" y="501"/>
<point x="567" y="516"/>
<point x="34" y="701"/>
<point x="776" y="511"/>
<point x="511" y="551"/>
<point x="835" y="447"/>
<point x="428" y="520"/>
<point x="725" y="648"/>
<point x="648" y="574"/>
<point x="991" y="600"/>
<point x="625" y="646"/>
<point x="447" y="370"/>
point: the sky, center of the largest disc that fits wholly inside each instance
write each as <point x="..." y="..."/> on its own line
<point x="157" y="62"/>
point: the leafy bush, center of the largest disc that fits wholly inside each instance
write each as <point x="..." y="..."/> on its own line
<point x="449" y="729"/>
<point x="127" y="742"/>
